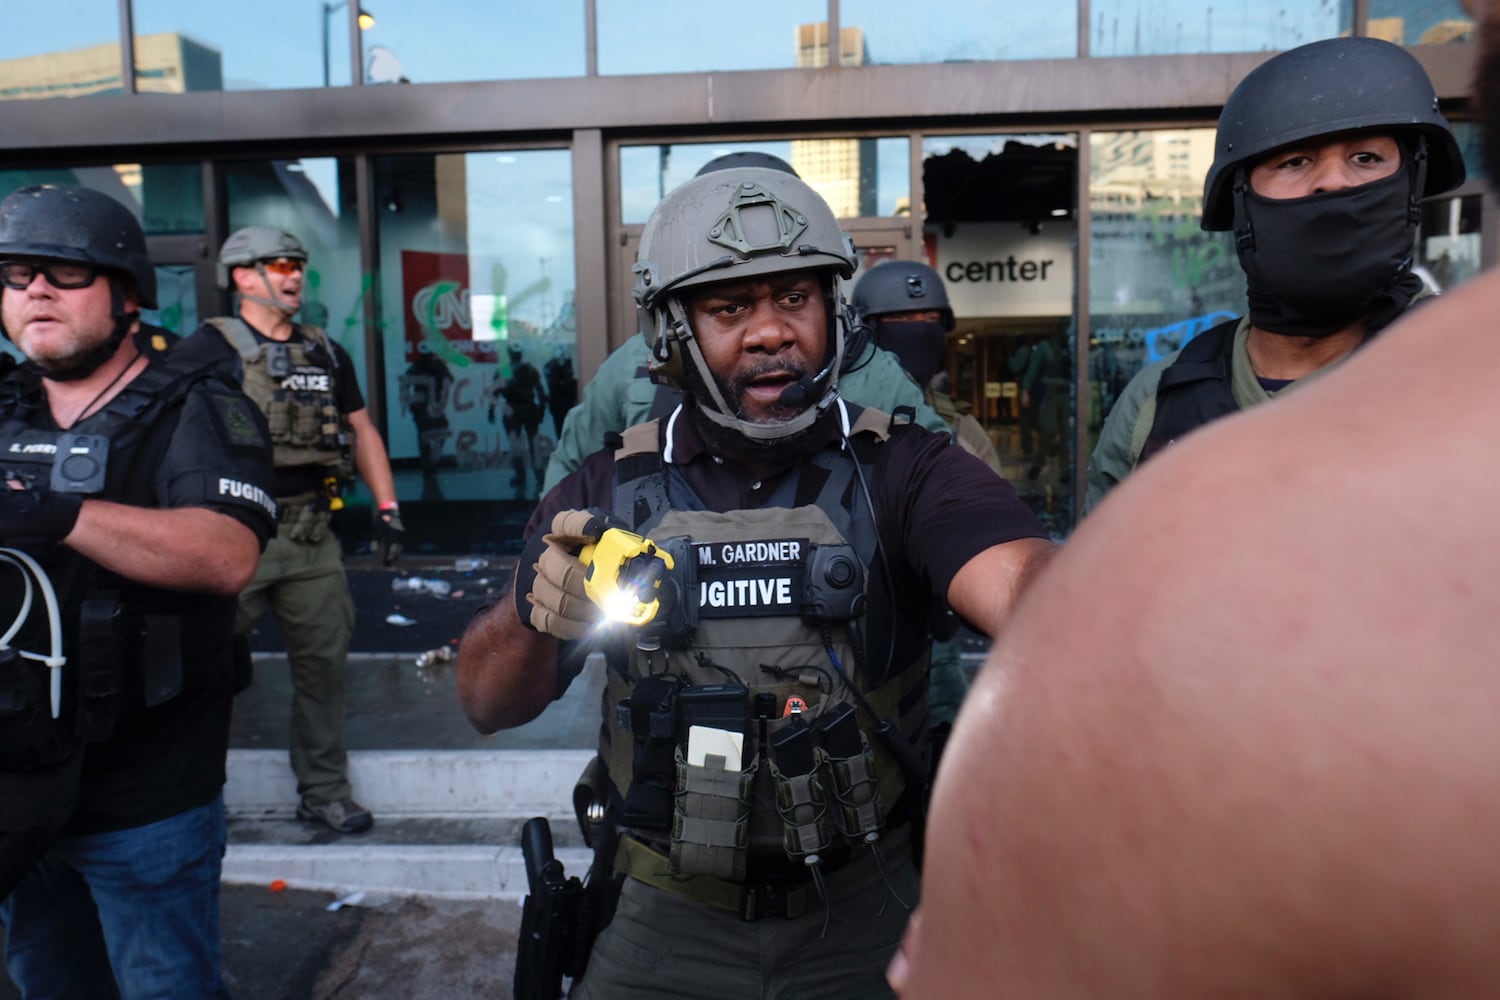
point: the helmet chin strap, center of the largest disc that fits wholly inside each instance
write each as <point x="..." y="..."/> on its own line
<point x="721" y="413"/>
<point x="90" y="362"/>
<point x="274" y="301"/>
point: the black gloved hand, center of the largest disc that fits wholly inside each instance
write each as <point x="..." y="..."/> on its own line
<point x="31" y="514"/>
<point x="389" y="534"/>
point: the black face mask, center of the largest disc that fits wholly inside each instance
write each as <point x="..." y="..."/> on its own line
<point x="918" y="345"/>
<point x="1317" y="264"/>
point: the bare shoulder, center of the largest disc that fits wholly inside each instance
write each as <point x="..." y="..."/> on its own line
<point x="1240" y="738"/>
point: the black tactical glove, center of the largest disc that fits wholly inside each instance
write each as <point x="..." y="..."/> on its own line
<point x="31" y="514"/>
<point x="549" y="581"/>
<point x="389" y="534"/>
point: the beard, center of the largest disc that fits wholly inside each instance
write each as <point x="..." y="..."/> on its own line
<point x="729" y="443"/>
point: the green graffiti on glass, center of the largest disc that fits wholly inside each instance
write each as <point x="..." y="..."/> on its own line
<point x="1192" y="254"/>
<point x="430" y="332"/>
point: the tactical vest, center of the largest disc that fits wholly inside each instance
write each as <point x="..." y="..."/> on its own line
<point x="1195" y="389"/>
<point x="116" y="657"/>
<point x="765" y="615"/>
<point x="306" y="426"/>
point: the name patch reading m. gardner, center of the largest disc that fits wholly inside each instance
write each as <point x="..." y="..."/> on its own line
<point x="750" y="578"/>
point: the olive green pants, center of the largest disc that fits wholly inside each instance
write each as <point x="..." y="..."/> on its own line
<point x="305" y="586"/>
<point x="661" y="945"/>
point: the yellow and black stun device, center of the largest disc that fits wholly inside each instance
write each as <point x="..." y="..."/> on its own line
<point x="623" y="572"/>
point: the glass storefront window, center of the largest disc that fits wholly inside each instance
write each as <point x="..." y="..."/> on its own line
<point x="1421" y="22"/>
<point x="1002" y="231"/>
<point x="70" y="48"/>
<point x="186" y="45"/>
<point x="176" y="299"/>
<point x="688" y="36"/>
<point x="1156" y="280"/>
<point x="454" y="40"/>
<point x="1450" y="246"/>
<point x="883" y="32"/>
<point x="480" y="339"/>
<point x="1173" y="27"/>
<point x="166" y="198"/>
<point x="857" y="177"/>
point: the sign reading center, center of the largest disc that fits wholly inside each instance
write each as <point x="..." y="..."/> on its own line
<point x="1003" y="269"/>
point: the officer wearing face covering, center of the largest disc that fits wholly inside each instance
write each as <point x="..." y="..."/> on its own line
<point x="905" y="306"/>
<point x="1323" y="156"/>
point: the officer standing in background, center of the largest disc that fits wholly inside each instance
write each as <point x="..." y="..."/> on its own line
<point x="141" y="492"/>
<point x="905" y="304"/>
<point x="306" y="386"/>
<point x="766" y="757"/>
<point x="1323" y="156"/>
<point x="622" y="394"/>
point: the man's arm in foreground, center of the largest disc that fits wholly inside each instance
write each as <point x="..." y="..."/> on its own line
<point x="184" y="548"/>
<point x="985" y="591"/>
<point x="1265" y="766"/>
<point x="507" y="673"/>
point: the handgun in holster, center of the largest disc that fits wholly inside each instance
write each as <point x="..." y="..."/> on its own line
<point x="555" y="920"/>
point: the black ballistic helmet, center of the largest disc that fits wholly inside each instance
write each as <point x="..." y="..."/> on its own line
<point x="746" y="158"/>
<point x="1323" y="88"/>
<point x="899" y="286"/>
<point x="78" y="224"/>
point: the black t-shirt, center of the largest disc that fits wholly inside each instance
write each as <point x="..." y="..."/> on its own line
<point x="936" y="507"/>
<point x="211" y="451"/>
<point x="208" y="348"/>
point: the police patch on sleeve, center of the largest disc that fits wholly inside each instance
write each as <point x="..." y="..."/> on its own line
<point x="238" y="418"/>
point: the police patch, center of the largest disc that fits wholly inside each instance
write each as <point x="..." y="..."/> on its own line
<point x="238" y="419"/>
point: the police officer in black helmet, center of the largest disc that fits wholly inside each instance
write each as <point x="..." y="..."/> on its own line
<point x="1323" y="156"/>
<point x="137" y="492"/>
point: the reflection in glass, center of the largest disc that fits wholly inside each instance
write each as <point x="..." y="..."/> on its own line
<point x="67" y="48"/>
<point x="477" y="318"/>
<point x="1001" y="230"/>
<point x="857" y="177"/>
<point x="1155" y="278"/>
<point x="456" y="40"/>
<point x="188" y="45"/>
<point x="1448" y="251"/>
<point x="1421" y="22"/>
<point x="1170" y="27"/>
<point x="122" y="182"/>
<point x="689" y="36"/>
<point x="884" y="32"/>
<point x="176" y="299"/>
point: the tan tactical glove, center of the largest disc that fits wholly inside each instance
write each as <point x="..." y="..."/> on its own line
<point x="559" y="605"/>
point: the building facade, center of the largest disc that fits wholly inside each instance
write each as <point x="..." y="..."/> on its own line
<point x="473" y="176"/>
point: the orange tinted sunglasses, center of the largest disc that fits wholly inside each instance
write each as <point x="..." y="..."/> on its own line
<point x="284" y="265"/>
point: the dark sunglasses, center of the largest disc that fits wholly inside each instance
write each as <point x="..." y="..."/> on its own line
<point x="284" y="265"/>
<point x="20" y="274"/>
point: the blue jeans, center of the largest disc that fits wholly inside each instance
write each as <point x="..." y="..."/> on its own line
<point x="131" y="914"/>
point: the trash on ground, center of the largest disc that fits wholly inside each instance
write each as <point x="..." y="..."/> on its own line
<point x="351" y="899"/>
<point x="399" y="619"/>
<point x="417" y="584"/>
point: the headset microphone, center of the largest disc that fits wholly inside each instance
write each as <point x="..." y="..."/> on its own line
<point x="799" y="393"/>
<point x="805" y="389"/>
